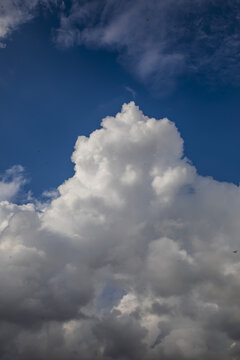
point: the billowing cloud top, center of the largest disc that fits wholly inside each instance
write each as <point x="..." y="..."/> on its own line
<point x="133" y="260"/>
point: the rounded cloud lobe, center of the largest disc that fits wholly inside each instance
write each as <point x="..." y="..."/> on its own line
<point x="133" y="260"/>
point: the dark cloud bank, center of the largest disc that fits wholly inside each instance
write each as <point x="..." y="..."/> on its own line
<point x="133" y="260"/>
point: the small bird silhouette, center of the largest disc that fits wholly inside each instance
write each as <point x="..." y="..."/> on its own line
<point x="235" y="251"/>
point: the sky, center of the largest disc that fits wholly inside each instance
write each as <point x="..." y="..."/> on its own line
<point x="119" y="179"/>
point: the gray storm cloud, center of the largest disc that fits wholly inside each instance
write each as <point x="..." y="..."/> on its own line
<point x="133" y="260"/>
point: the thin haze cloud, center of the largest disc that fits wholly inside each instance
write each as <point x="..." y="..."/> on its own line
<point x="133" y="259"/>
<point x="157" y="41"/>
<point x="131" y="91"/>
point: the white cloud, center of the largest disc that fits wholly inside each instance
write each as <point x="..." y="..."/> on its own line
<point x="11" y="182"/>
<point x="159" y="40"/>
<point x="133" y="260"/>
<point x="14" y="13"/>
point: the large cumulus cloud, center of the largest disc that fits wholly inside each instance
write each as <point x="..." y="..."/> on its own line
<point x="133" y="260"/>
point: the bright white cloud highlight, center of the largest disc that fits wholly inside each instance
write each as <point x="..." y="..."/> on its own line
<point x="133" y="260"/>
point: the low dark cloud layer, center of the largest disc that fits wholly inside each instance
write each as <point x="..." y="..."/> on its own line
<point x="133" y="259"/>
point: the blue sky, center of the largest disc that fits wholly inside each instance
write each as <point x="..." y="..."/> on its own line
<point x="50" y="94"/>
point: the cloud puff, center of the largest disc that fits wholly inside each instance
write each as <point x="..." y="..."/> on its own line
<point x="11" y="182"/>
<point x="133" y="259"/>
